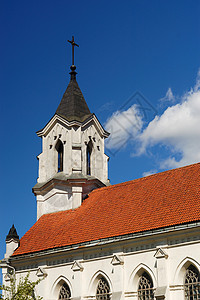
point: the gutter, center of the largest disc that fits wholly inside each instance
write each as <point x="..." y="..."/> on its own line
<point x="109" y="240"/>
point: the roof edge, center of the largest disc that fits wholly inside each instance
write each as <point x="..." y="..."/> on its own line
<point x="173" y="228"/>
<point x="58" y="117"/>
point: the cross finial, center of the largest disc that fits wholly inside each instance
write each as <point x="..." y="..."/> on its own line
<point x="72" y="42"/>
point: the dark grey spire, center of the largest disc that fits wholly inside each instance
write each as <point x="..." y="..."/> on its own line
<point x="73" y="106"/>
<point x="12" y="234"/>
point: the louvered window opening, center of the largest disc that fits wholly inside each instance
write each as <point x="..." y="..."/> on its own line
<point x="145" y="288"/>
<point x="60" y="151"/>
<point x="60" y="158"/>
<point x="88" y="154"/>
<point x="192" y="284"/>
<point x="65" y="293"/>
<point x="103" y="290"/>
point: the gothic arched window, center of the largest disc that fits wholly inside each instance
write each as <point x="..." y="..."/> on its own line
<point x="145" y="287"/>
<point x="192" y="283"/>
<point x="103" y="290"/>
<point x="65" y="293"/>
<point x="89" y="152"/>
<point x="59" y="148"/>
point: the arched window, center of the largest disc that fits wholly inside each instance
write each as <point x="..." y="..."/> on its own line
<point x="59" y="148"/>
<point x="65" y="293"/>
<point x="145" y="288"/>
<point x="89" y="152"/>
<point x="103" y="290"/>
<point x="192" y="283"/>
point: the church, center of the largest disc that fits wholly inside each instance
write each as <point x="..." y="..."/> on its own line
<point x="96" y="241"/>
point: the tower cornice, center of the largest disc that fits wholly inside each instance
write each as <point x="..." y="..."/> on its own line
<point x="58" y="119"/>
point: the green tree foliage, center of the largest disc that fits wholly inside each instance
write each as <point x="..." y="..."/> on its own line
<point x="24" y="290"/>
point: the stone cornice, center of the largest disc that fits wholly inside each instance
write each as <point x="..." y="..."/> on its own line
<point x="58" y="119"/>
<point x="66" y="180"/>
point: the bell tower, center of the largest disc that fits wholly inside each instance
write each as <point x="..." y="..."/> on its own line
<point x="72" y="162"/>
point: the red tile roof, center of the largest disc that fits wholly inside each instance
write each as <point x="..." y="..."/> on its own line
<point x="152" y="202"/>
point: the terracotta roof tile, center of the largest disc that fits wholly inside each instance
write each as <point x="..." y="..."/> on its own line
<point x="156" y="201"/>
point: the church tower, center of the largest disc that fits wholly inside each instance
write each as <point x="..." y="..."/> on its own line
<point x="72" y="162"/>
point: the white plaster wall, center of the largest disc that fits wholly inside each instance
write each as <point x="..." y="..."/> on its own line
<point x="74" y="139"/>
<point x="135" y="264"/>
<point x="11" y="245"/>
<point x="180" y="257"/>
<point x="48" y="159"/>
<point x="56" y="199"/>
<point x="98" y="162"/>
<point x="123" y="278"/>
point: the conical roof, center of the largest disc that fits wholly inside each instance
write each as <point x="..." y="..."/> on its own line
<point x="73" y="106"/>
<point x="12" y="234"/>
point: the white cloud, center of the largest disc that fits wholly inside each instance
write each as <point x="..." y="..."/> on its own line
<point x="169" y="97"/>
<point x="178" y="128"/>
<point x="150" y="172"/>
<point x="123" y="126"/>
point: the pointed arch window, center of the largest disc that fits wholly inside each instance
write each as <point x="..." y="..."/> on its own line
<point x="145" y="287"/>
<point x="103" y="290"/>
<point x="64" y="293"/>
<point x="192" y="283"/>
<point x="88" y="154"/>
<point x="59" y="148"/>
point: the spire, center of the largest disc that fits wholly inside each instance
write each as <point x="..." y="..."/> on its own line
<point x="12" y="234"/>
<point x="73" y="106"/>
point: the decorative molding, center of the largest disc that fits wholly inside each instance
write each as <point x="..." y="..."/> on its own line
<point x="77" y="266"/>
<point x="160" y="253"/>
<point x="117" y="260"/>
<point x="7" y="277"/>
<point x="160" y="292"/>
<point x="62" y="121"/>
<point x="41" y="273"/>
<point x="178" y="287"/>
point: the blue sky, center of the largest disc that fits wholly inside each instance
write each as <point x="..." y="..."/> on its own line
<point x="137" y="64"/>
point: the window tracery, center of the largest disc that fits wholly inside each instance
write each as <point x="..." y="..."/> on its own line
<point x="192" y="283"/>
<point x="145" y="288"/>
<point x="103" y="290"/>
<point x="65" y="293"/>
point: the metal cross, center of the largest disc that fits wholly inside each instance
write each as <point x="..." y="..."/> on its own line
<point x="73" y="44"/>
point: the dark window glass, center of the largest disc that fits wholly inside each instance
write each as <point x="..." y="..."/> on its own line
<point x="89" y="152"/>
<point x="59" y="148"/>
